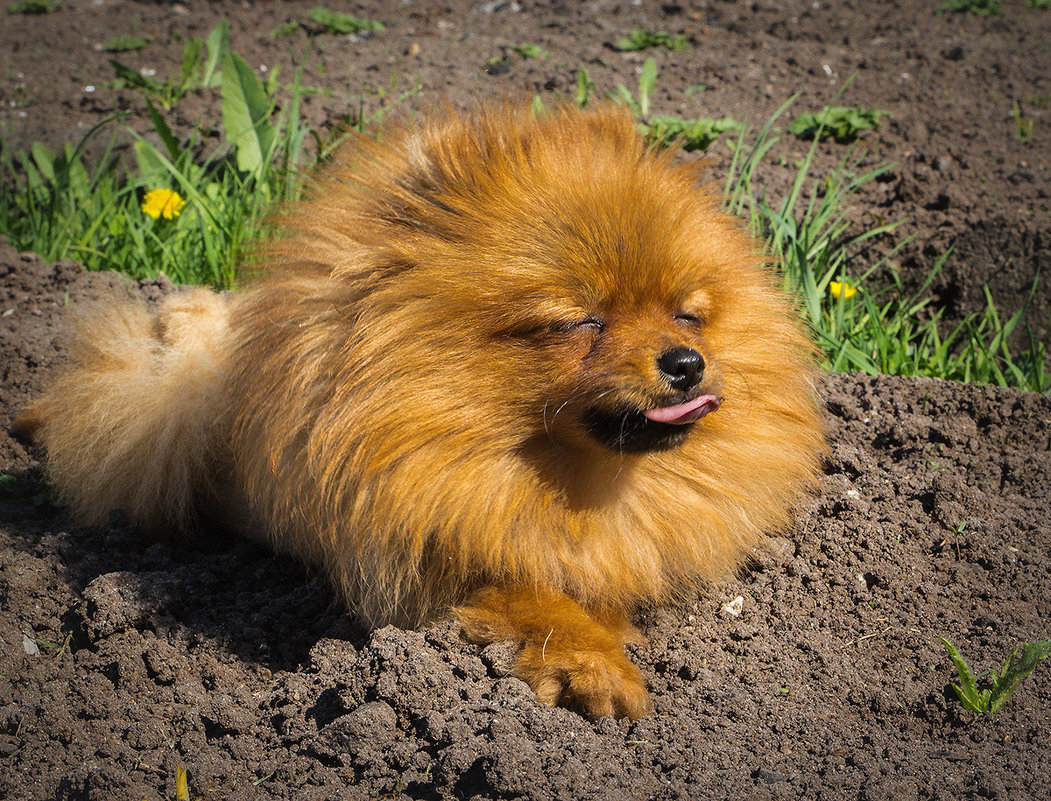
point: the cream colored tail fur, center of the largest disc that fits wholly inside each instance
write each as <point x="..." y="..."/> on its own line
<point x="134" y="423"/>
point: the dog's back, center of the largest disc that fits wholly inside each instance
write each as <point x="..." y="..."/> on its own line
<point x="134" y="422"/>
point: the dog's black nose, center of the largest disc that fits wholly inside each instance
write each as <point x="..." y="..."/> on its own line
<point x="682" y="367"/>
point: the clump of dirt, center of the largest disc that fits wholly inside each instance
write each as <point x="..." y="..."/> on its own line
<point x="814" y="673"/>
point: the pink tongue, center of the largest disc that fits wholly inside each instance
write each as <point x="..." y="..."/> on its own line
<point x="684" y="413"/>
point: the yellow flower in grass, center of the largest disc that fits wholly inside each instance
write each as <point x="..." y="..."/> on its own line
<point x="841" y="290"/>
<point x="163" y="203"/>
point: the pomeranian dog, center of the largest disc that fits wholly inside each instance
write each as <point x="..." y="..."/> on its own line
<point x="520" y="367"/>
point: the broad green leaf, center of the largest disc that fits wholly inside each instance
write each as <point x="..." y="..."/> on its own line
<point x="154" y="169"/>
<point x="135" y="79"/>
<point x="123" y="44"/>
<point x="1017" y="668"/>
<point x="337" y="22"/>
<point x="218" y="43"/>
<point x="245" y="109"/>
<point x="191" y="60"/>
<point x="45" y="160"/>
<point x="966" y="691"/>
<point x="165" y="134"/>
<point x="585" y="87"/>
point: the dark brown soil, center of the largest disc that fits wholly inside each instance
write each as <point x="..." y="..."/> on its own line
<point x="121" y="658"/>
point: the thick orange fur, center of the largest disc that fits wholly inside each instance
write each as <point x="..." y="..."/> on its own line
<point x="401" y="396"/>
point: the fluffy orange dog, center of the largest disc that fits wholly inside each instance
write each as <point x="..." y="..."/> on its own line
<point x="518" y="367"/>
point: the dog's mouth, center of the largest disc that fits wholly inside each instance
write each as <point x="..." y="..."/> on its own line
<point x="658" y="429"/>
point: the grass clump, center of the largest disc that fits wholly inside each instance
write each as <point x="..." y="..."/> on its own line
<point x="643" y="39"/>
<point x="983" y="8"/>
<point x="286" y="28"/>
<point x="839" y="122"/>
<point x="1003" y="682"/>
<point x="125" y="44"/>
<point x="340" y="23"/>
<point x="691" y="135"/>
<point x="33" y="7"/>
<point x="525" y="51"/>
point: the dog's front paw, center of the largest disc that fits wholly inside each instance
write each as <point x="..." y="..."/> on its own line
<point x="594" y="682"/>
<point x="569" y="656"/>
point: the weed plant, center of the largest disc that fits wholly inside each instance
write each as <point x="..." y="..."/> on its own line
<point x="643" y="39"/>
<point x="33" y="7"/>
<point x="983" y="8"/>
<point x="1002" y="683"/>
<point x="125" y="44"/>
<point x="340" y="23"/>
<point x="61" y="207"/>
<point x="839" y="122"/>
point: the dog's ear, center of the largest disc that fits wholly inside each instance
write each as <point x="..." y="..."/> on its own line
<point x="28" y="423"/>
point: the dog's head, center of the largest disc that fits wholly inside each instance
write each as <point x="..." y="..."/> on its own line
<point x="561" y="278"/>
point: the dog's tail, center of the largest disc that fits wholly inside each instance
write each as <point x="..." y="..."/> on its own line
<point x="134" y="422"/>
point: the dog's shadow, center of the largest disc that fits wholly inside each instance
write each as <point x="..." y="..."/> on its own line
<point x="266" y="609"/>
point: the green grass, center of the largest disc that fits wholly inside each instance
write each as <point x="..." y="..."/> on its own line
<point x="63" y="207"/>
<point x="983" y="8"/>
<point x="838" y="122"/>
<point x="340" y="23"/>
<point x="125" y="44"/>
<point x="33" y="7"/>
<point x="643" y="39"/>
<point x="1003" y="682"/>
<point x="526" y="51"/>
<point x="1023" y="126"/>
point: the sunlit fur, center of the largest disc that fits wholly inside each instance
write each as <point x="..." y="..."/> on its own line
<point x="398" y="396"/>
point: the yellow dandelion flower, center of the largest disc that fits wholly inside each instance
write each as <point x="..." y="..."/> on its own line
<point x="163" y="203"/>
<point x="841" y="290"/>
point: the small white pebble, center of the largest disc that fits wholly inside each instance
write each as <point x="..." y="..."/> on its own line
<point x="734" y="607"/>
